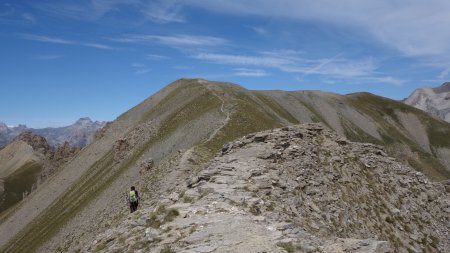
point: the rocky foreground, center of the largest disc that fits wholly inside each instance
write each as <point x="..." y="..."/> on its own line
<point x="295" y="189"/>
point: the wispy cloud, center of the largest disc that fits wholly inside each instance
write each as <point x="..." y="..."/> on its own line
<point x="15" y="15"/>
<point x="182" y="67"/>
<point x="156" y="57"/>
<point x="173" y="40"/>
<point x="393" y="23"/>
<point x="156" y="11"/>
<point x="96" y="45"/>
<point x="142" y="71"/>
<point x="444" y="74"/>
<point x="56" y="40"/>
<point x="140" y="68"/>
<point x="47" y="57"/>
<point x="29" y="17"/>
<point x="138" y="65"/>
<point x="259" y="30"/>
<point x="245" y="60"/>
<point x="47" y="39"/>
<point x="85" y="11"/>
<point x="389" y="80"/>
<point x="163" y="11"/>
<point x="250" y="72"/>
<point x="338" y="67"/>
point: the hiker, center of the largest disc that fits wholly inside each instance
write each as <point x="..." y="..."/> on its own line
<point x="133" y="199"/>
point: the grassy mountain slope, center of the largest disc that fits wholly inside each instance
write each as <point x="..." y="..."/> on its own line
<point x="183" y="126"/>
<point x="408" y="134"/>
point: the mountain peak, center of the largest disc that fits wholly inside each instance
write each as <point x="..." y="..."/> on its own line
<point x="445" y="87"/>
<point x="435" y="101"/>
<point x="83" y="120"/>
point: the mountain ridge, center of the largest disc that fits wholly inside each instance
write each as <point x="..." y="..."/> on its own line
<point x="182" y="127"/>
<point x="292" y="188"/>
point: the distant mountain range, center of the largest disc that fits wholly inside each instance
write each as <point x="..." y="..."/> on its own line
<point x="435" y="101"/>
<point x="78" y="134"/>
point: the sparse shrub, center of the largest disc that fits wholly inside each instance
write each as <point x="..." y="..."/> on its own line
<point x="187" y="199"/>
<point x="389" y="219"/>
<point x="408" y="228"/>
<point x="171" y="214"/>
<point x="167" y="249"/>
<point x="255" y="210"/>
<point x="161" y="209"/>
<point x="288" y="246"/>
<point x="434" y="241"/>
<point x="99" y="247"/>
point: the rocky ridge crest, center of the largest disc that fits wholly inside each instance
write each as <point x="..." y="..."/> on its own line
<point x="294" y="189"/>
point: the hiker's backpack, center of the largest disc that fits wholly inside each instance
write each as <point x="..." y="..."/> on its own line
<point x="133" y="197"/>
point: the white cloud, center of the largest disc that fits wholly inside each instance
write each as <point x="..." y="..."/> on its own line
<point x="47" y="39"/>
<point x="29" y="17"/>
<point x="245" y="60"/>
<point x="336" y="66"/>
<point x="259" y="30"/>
<point x="444" y="74"/>
<point x="163" y="11"/>
<point x="96" y="45"/>
<point x="157" y="11"/>
<point x="138" y="65"/>
<point x="414" y="27"/>
<point x="56" y="40"/>
<point x="83" y="10"/>
<point x="142" y="71"/>
<point x="250" y="72"/>
<point x="156" y="57"/>
<point x="179" y="40"/>
<point x="47" y="57"/>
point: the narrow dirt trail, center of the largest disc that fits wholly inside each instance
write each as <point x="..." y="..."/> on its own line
<point x="222" y="109"/>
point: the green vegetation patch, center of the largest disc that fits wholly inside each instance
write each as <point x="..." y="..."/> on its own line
<point x="246" y="118"/>
<point x="167" y="249"/>
<point x="16" y="185"/>
<point x="161" y="216"/>
<point x="288" y="246"/>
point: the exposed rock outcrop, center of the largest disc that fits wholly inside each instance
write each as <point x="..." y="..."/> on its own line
<point x="294" y="189"/>
<point x="435" y="101"/>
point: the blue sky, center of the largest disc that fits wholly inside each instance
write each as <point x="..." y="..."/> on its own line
<point x="62" y="60"/>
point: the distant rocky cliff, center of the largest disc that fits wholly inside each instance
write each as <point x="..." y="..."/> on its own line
<point x="435" y="101"/>
<point x="27" y="162"/>
<point x="78" y="134"/>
